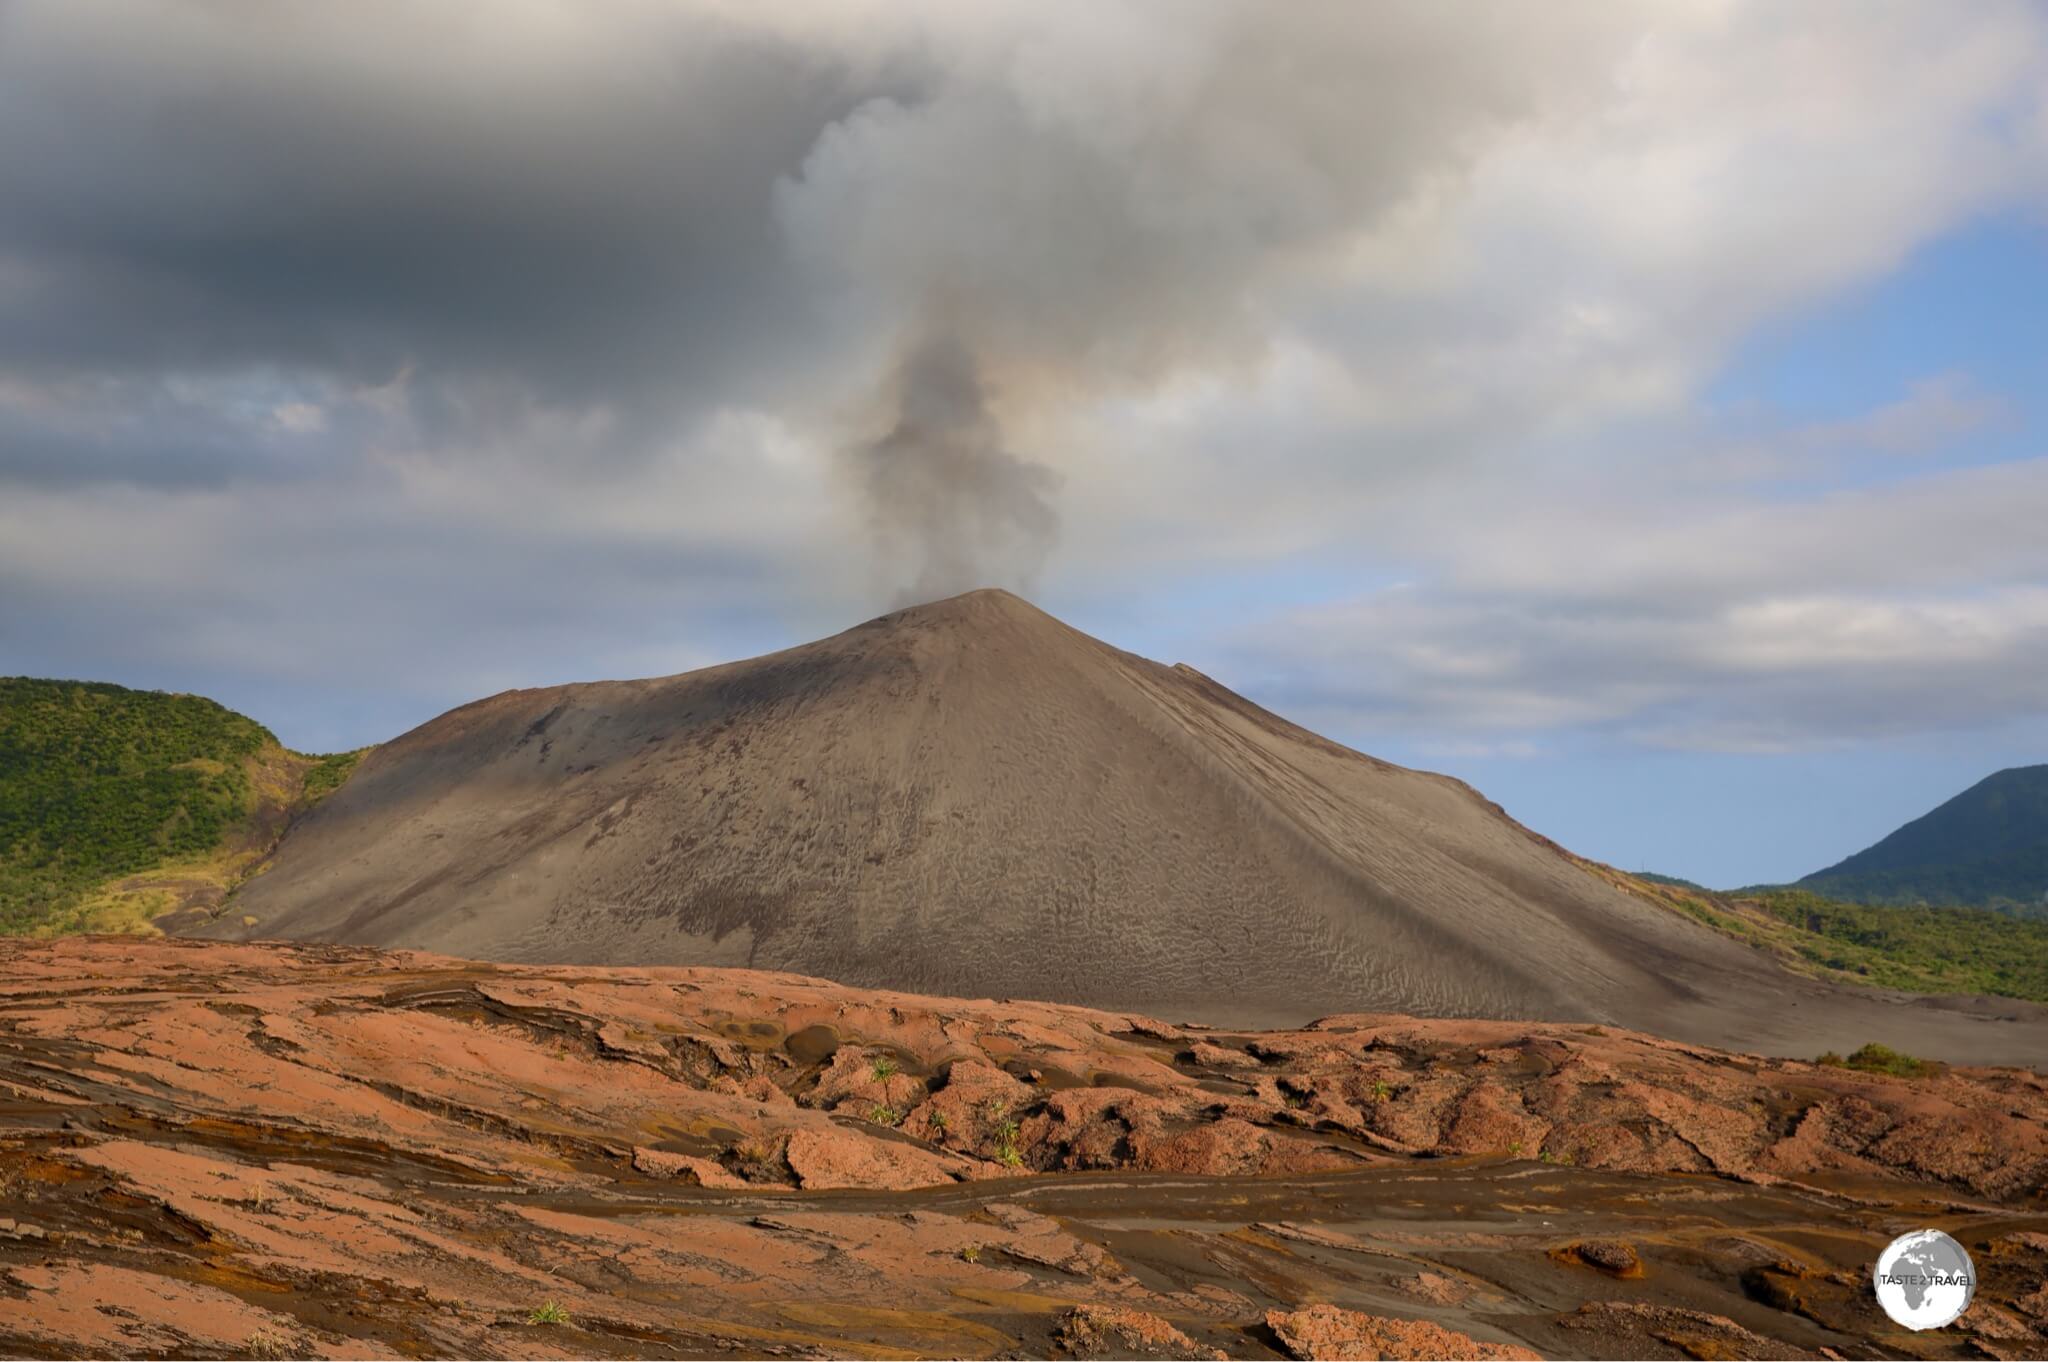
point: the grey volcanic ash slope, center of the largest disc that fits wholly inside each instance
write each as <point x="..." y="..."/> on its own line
<point x="970" y="797"/>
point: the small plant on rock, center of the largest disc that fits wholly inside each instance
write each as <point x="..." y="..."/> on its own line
<point x="884" y="1068"/>
<point x="548" y="1313"/>
<point x="881" y="1115"/>
<point x="1007" y="1153"/>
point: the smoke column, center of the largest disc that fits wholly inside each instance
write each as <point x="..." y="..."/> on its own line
<point x="951" y="509"/>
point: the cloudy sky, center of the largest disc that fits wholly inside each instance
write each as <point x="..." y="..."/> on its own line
<point x="1638" y="410"/>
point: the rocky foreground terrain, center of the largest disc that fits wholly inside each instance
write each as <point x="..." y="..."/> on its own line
<point x="259" y="1150"/>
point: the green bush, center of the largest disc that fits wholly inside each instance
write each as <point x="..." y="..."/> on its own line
<point x="1881" y="1059"/>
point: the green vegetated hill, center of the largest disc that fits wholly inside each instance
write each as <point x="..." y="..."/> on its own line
<point x="1921" y="950"/>
<point x="1672" y="880"/>
<point x="1986" y="848"/>
<point x="118" y="805"/>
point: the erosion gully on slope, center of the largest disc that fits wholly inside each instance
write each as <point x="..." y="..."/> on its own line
<point x="255" y="1150"/>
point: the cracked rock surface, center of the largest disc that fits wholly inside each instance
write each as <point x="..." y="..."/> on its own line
<point x="242" y="1149"/>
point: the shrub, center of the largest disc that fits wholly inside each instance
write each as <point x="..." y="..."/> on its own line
<point x="1882" y="1059"/>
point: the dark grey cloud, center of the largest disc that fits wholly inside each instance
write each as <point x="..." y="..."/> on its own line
<point x="659" y="210"/>
<point x="355" y="190"/>
<point x="393" y="342"/>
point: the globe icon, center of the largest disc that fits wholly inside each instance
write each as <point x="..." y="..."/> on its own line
<point x="1924" y="1280"/>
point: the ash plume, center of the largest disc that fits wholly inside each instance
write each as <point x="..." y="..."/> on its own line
<point x="951" y="509"/>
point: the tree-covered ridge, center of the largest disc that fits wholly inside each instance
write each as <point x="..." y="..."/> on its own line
<point x="99" y="782"/>
<point x="1919" y="950"/>
<point x="1987" y="847"/>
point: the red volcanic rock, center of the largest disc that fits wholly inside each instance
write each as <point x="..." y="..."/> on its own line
<point x="212" y="1149"/>
<point x="972" y="1109"/>
<point x="1693" y="1332"/>
<point x="1226" y="1146"/>
<point x="114" y="1312"/>
<point x="1435" y="1288"/>
<point x="659" y="1163"/>
<point x="1222" y="1057"/>
<point x="1327" y="1332"/>
<point x="843" y="1158"/>
<point x="1489" y="1119"/>
<point x="590" y="1062"/>
<point x="1039" y="1239"/>
<point x="1612" y="1256"/>
<point x="1113" y="1331"/>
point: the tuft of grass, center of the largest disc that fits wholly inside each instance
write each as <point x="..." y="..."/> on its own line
<point x="884" y="1069"/>
<point x="881" y="1115"/>
<point x="1381" y="1090"/>
<point x="1007" y="1152"/>
<point x="972" y="1253"/>
<point x="548" y="1313"/>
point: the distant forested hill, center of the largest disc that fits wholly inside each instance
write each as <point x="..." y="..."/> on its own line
<point x="1921" y="950"/>
<point x="99" y="784"/>
<point x="1987" y="847"/>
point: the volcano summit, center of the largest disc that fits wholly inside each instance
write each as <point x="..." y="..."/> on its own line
<point x="969" y="797"/>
